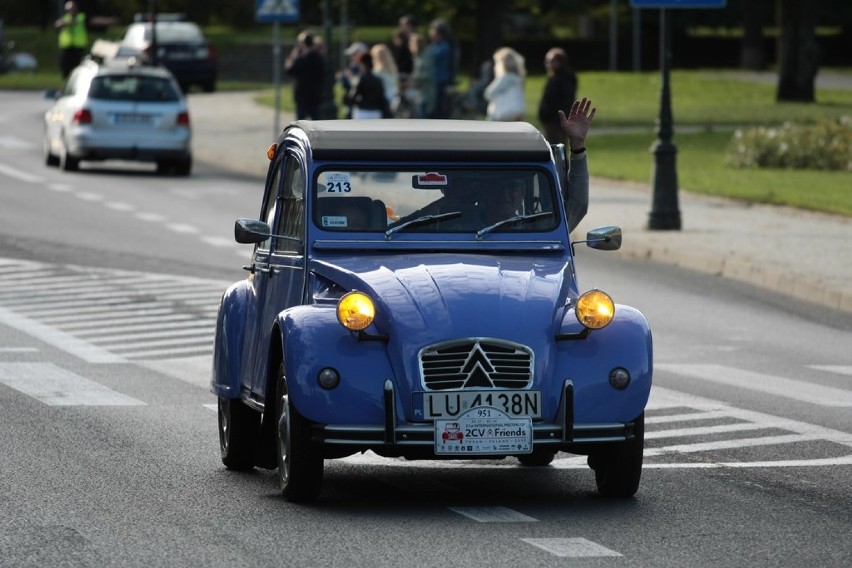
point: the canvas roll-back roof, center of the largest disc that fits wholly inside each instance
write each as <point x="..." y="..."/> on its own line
<point x="424" y="140"/>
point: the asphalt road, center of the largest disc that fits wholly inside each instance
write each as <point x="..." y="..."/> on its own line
<point x="109" y="281"/>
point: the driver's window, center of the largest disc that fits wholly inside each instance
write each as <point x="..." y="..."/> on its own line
<point x="270" y="202"/>
<point x="291" y="221"/>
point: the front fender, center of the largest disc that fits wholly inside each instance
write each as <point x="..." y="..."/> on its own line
<point x="229" y="341"/>
<point x="313" y="339"/>
<point x="627" y="343"/>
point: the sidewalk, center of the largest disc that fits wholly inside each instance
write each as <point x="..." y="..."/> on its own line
<point x="802" y="255"/>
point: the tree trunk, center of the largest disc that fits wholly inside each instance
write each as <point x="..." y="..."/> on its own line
<point x="799" y="52"/>
<point x="753" y="53"/>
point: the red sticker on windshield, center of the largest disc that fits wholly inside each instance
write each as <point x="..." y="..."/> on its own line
<point x="432" y="178"/>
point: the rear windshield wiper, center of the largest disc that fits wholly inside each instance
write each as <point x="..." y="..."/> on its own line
<point x="510" y="220"/>
<point x="424" y="220"/>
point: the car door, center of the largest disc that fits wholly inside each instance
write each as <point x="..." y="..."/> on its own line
<point x="284" y="277"/>
<point x="258" y="278"/>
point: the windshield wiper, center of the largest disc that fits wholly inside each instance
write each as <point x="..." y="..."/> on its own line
<point x="515" y="219"/>
<point x="424" y="220"/>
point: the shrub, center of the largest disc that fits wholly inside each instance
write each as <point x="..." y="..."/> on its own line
<point x="825" y="145"/>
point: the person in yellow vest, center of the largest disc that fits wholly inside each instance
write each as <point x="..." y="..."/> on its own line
<point x="73" y="38"/>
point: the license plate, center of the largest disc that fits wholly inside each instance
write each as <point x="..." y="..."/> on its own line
<point x="483" y="430"/>
<point x="129" y="118"/>
<point x="451" y="404"/>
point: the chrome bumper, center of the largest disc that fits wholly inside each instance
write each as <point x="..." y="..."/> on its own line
<point x="415" y="434"/>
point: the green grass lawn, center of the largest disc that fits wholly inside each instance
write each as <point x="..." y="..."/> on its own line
<point x="706" y="104"/>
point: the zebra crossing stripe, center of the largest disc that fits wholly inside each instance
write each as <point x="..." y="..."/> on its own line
<point x="56" y="386"/>
<point x="769" y="384"/>
<point x="59" y="339"/>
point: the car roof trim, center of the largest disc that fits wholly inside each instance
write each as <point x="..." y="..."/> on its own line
<point x="418" y="139"/>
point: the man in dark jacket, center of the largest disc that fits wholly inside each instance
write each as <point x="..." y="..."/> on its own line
<point x="559" y="92"/>
<point x="367" y="96"/>
<point x="307" y="67"/>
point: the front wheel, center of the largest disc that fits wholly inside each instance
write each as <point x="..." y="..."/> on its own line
<point x="617" y="470"/>
<point x="300" y="461"/>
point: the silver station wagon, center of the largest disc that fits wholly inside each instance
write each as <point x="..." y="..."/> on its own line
<point x="119" y="111"/>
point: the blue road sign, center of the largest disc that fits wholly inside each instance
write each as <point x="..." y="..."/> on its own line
<point x="286" y="11"/>
<point x="677" y="3"/>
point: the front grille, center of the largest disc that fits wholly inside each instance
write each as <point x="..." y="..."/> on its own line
<point x="476" y="363"/>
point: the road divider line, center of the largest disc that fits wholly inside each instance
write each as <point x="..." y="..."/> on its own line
<point x="571" y="547"/>
<point x="493" y="514"/>
<point x="19" y="174"/>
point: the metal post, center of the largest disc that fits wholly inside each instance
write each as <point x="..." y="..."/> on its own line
<point x="613" y="35"/>
<point x="328" y="108"/>
<point x="637" y="39"/>
<point x="665" y="214"/>
<point x="276" y="75"/>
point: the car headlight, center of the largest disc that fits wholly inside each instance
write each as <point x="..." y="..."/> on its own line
<point x="355" y="311"/>
<point x="595" y="309"/>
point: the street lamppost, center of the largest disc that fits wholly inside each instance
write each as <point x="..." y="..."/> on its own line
<point x="665" y="214"/>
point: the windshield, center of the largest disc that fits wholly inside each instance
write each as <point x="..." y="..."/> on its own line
<point x="449" y="200"/>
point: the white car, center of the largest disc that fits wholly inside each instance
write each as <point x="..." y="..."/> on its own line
<point x="119" y="111"/>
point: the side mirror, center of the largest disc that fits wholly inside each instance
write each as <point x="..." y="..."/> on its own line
<point x="51" y="94"/>
<point x="603" y="238"/>
<point x="250" y="231"/>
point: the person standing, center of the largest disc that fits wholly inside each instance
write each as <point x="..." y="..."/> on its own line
<point x="400" y="45"/>
<point x="73" y="38"/>
<point x="505" y="93"/>
<point x="559" y="90"/>
<point x="307" y="67"/>
<point x="367" y="96"/>
<point x="443" y="55"/>
<point x="384" y="67"/>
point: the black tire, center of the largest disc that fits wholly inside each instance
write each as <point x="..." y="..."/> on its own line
<point x="183" y="167"/>
<point x="67" y="162"/>
<point x="300" y="461"/>
<point x="618" y="470"/>
<point x="538" y="458"/>
<point x="164" y="167"/>
<point x="239" y="426"/>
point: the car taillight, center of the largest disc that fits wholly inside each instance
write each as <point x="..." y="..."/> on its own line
<point x="211" y="53"/>
<point x="83" y="116"/>
<point x="183" y="119"/>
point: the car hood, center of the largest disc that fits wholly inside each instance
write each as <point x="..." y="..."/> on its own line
<point x="424" y="298"/>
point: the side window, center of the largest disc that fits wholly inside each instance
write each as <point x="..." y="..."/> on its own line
<point x="291" y="222"/>
<point x="270" y="201"/>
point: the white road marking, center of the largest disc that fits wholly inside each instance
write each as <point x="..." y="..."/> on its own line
<point x="183" y="228"/>
<point x="150" y="217"/>
<point x="59" y="339"/>
<point x="706" y="431"/>
<point x="221" y="242"/>
<point x="89" y="196"/>
<point x="839" y="369"/>
<point x="12" y="142"/>
<point x="56" y="386"/>
<point x="493" y="515"/>
<point x="119" y="206"/>
<point x="60" y="187"/>
<point x="778" y="386"/>
<point x="18" y="349"/>
<point x="571" y="547"/>
<point x="19" y="174"/>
